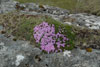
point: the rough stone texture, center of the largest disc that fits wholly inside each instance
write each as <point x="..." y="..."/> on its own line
<point x="85" y="37"/>
<point x="21" y="54"/>
<point x="4" y="1"/>
<point x="86" y="20"/>
<point x="81" y="19"/>
<point x="7" y="6"/>
<point x="44" y="9"/>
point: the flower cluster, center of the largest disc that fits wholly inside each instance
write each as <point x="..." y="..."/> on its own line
<point x="49" y="41"/>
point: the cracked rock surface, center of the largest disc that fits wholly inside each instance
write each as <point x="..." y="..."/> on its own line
<point x="63" y="15"/>
<point x="22" y="54"/>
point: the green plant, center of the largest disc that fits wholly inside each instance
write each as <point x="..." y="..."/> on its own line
<point x="49" y="40"/>
<point x="21" y="26"/>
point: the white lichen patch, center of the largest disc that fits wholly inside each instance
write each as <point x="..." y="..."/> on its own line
<point x="25" y="44"/>
<point x="2" y="44"/>
<point x="88" y="21"/>
<point x="2" y="48"/>
<point x="68" y="53"/>
<point x="87" y="24"/>
<point x="94" y="27"/>
<point x="69" y="23"/>
<point x="19" y="59"/>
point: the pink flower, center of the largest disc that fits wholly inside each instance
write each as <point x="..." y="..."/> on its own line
<point x="49" y="48"/>
<point x="44" y="34"/>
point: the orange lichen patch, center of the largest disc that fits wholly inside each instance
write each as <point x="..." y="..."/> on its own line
<point x="89" y="49"/>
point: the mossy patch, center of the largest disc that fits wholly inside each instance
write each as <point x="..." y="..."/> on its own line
<point x="21" y="26"/>
<point x="67" y="31"/>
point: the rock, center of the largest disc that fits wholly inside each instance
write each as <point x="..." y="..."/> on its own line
<point x="8" y="6"/>
<point x="4" y="1"/>
<point x="22" y="54"/>
<point x="88" y="21"/>
<point x="56" y="11"/>
<point x="81" y="19"/>
<point x="20" y="7"/>
<point x="19" y="53"/>
<point x="45" y="9"/>
<point x="31" y="7"/>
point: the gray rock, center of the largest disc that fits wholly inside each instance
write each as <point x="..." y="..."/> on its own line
<point x="8" y="6"/>
<point x="1" y="27"/>
<point x="4" y="1"/>
<point x="81" y="19"/>
<point x="22" y="54"/>
<point x="85" y="20"/>
<point x="56" y="10"/>
<point x="45" y="9"/>
<point x="31" y="6"/>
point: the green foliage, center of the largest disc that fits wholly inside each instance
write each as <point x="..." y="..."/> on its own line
<point x="26" y="29"/>
<point x="21" y="26"/>
<point x="67" y="31"/>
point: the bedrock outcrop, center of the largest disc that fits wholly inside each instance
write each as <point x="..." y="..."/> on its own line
<point x="22" y="54"/>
